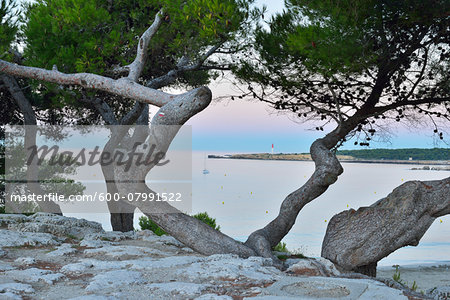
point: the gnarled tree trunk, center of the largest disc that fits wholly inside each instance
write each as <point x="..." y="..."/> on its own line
<point x="188" y="230"/>
<point x="357" y="240"/>
<point x="326" y="173"/>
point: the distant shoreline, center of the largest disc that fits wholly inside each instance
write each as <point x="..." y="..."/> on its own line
<point x="342" y="159"/>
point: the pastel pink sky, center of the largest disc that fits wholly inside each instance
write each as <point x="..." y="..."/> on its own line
<point x="249" y="126"/>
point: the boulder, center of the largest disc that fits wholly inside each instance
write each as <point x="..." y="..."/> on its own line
<point x="10" y="238"/>
<point x="313" y="267"/>
<point x="6" y="219"/>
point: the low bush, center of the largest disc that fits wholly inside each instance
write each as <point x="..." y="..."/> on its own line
<point x="280" y="247"/>
<point x="146" y="223"/>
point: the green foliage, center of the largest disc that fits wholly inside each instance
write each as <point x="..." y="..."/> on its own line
<point x="94" y="36"/>
<point x="397" y="275"/>
<point x="8" y="25"/>
<point x="77" y="36"/>
<point x="97" y="36"/>
<point x="2" y="208"/>
<point x="399" y="154"/>
<point x="146" y="223"/>
<point x="205" y="218"/>
<point x="343" y="36"/>
<point x="280" y="247"/>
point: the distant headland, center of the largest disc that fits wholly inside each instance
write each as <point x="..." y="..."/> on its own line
<point x="413" y="156"/>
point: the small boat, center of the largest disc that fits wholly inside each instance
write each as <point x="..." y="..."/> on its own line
<point x="205" y="171"/>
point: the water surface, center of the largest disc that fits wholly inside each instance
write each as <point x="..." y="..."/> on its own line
<point x="244" y="195"/>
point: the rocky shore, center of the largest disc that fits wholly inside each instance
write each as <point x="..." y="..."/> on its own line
<point x="46" y="256"/>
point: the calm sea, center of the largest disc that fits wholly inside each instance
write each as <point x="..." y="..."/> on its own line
<point x="244" y="195"/>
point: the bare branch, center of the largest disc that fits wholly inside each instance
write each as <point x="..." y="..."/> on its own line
<point x="182" y="66"/>
<point x="420" y="78"/>
<point x="137" y="65"/>
<point x="121" y="87"/>
<point x="385" y="108"/>
<point x="336" y="100"/>
<point x="103" y="109"/>
<point x="220" y="68"/>
<point x="133" y="114"/>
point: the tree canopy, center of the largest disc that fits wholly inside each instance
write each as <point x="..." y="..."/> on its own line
<point x="100" y="37"/>
<point x="330" y="60"/>
<point x="8" y="25"/>
<point x="8" y="30"/>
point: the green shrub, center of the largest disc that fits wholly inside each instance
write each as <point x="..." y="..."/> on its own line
<point x="205" y="218"/>
<point x="146" y="223"/>
<point x="280" y="247"/>
<point x="2" y="209"/>
<point x="282" y="257"/>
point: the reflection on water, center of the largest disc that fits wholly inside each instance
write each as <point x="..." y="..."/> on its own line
<point x="244" y="195"/>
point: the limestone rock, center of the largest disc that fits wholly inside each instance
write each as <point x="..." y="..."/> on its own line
<point x="94" y="243"/>
<point x="111" y="236"/>
<point x="213" y="297"/>
<point x="6" y="219"/>
<point x="328" y="288"/>
<point x="25" y="260"/>
<point x="123" y="252"/>
<point x="113" y="279"/>
<point x="14" y="290"/>
<point x="57" y="225"/>
<point x="64" y="249"/>
<point x="164" y="239"/>
<point x="34" y="275"/>
<point x="10" y="238"/>
<point x="94" y="297"/>
<point x="439" y="293"/>
<point x="178" y="289"/>
<point x="231" y="267"/>
<point x="5" y="267"/>
<point x="313" y="267"/>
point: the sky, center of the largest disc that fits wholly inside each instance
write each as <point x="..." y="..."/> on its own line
<point x="245" y="126"/>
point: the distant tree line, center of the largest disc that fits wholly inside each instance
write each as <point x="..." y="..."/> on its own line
<point x="399" y="154"/>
